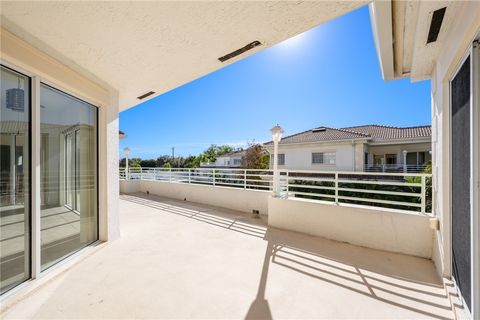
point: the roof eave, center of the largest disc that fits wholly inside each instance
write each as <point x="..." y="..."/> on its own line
<point x="381" y="21"/>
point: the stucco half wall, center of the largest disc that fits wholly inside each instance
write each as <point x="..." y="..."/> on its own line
<point x="224" y="197"/>
<point x="368" y="227"/>
<point x="377" y="228"/>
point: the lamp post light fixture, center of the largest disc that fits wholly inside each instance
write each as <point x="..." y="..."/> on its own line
<point x="405" y="161"/>
<point x="126" y="150"/>
<point x="277" y="132"/>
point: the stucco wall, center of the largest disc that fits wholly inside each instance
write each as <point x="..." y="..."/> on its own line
<point x="375" y="228"/>
<point x="463" y="31"/>
<point x="368" y="227"/>
<point x="300" y="157"/>
<point x="24" y="57"/>
<point x="230" y="198"/>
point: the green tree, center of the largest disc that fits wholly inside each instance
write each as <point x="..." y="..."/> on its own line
<point x="134" y="162"/>
<point x="256" y="157"/>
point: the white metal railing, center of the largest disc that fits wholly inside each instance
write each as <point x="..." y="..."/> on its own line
<point x="407" y="191"/>
<point x="257" y="179"/>
<point x="409" y="168"/>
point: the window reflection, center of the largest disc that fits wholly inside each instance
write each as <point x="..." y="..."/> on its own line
<point x="68" y="175"/>
<point x="14" y="179"/>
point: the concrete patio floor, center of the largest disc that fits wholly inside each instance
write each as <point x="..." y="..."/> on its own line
<point x="184" y="260"/>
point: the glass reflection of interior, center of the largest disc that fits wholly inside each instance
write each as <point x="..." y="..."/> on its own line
<point x="68" y="175"/>
<point x="14" y="179"/>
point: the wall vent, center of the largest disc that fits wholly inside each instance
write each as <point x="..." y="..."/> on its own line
<point x="436" y="24"/>
<point x="319" y="129"/>
<point x="143" y="96"/>
<point x="235" y="53"/>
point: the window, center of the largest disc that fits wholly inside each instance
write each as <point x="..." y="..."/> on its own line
<point x="237" y="162"/>
<point x="69" y="175"/>
<point x="323" y="158"/>
<point x="280" y="159"/>
<point x="391" y="159"/>
<point x="14" y="178"/>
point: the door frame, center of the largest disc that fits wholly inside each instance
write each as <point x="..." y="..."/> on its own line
<point x="475" y="174"/>
<point x="473" y="51"/>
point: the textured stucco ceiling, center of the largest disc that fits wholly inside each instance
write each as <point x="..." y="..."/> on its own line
<point x="136" y="47"/>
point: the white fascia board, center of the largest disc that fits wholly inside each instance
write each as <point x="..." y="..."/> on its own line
<point x="400" y="141"/>
<point x="316" y="143"/>
<point x="381" y="20"/>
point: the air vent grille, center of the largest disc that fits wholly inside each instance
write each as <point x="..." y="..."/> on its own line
<point x="436" y="24"/>
<point x="143" y="96"/>
<point x="235" y="53"/>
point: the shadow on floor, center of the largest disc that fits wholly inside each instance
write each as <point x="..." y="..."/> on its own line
<point x="399" y="280"/>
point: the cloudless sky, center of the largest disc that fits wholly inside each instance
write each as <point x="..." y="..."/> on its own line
<point x="327" y="76"/>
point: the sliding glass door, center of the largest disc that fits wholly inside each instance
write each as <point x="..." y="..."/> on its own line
<point x="14" y="179"/>
<point x="69" y="168"/>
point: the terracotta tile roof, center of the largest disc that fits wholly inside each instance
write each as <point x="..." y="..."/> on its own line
<point x="370" y="132"/>
<point x="322" y="134"/>
<point x="378" y="132"/>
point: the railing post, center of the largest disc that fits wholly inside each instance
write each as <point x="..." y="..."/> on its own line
<point x="213" y="176"/>
<point x="245" y="179"/>
<point x="336" y="187"/>
<point x="423" y="194"/>
<point x="189" y="176"/>
<point x="288" y="182"/>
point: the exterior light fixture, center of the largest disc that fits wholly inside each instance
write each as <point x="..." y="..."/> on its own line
<point x="277" y="132"/>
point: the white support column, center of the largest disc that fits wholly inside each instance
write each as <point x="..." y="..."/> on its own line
<point x="127" y="169"/>
<point x="109" y="224"/>
<point x="276" y="177"/>
<point x="36" y="178"/>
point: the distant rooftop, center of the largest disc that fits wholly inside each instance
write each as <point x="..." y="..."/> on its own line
<point x="368" y="132"/>
<point x="234" y="153"/>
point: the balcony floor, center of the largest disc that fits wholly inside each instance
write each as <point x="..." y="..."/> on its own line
<point x="184" y="260"/>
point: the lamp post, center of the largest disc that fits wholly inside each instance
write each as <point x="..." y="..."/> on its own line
<point x="276" y="137"/>
<point x="405" y="161"/>
<point x="126" y="150"/>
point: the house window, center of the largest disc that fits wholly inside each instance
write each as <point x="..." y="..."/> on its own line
<point x="391" y="158"/>
<point x="237" y="162"/>
<point x="281" y="159"/>
<point x="323" y="158"/>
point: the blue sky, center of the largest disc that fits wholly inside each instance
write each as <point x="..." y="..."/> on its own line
<point x="327" y="76"/>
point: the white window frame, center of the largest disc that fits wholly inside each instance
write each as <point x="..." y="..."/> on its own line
<point x="35" y="159"/>
<point x="323" y="158"/>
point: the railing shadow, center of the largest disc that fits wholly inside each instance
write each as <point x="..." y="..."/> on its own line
<point x="402" y="281"/>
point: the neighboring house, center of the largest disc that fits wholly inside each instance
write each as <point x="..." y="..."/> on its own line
<point x="368" y="147"/>
<point x="228" y="160"/>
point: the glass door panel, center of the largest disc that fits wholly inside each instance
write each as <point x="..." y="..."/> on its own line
<point x="69" y="214"/>
<point x="14" y="179"/>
